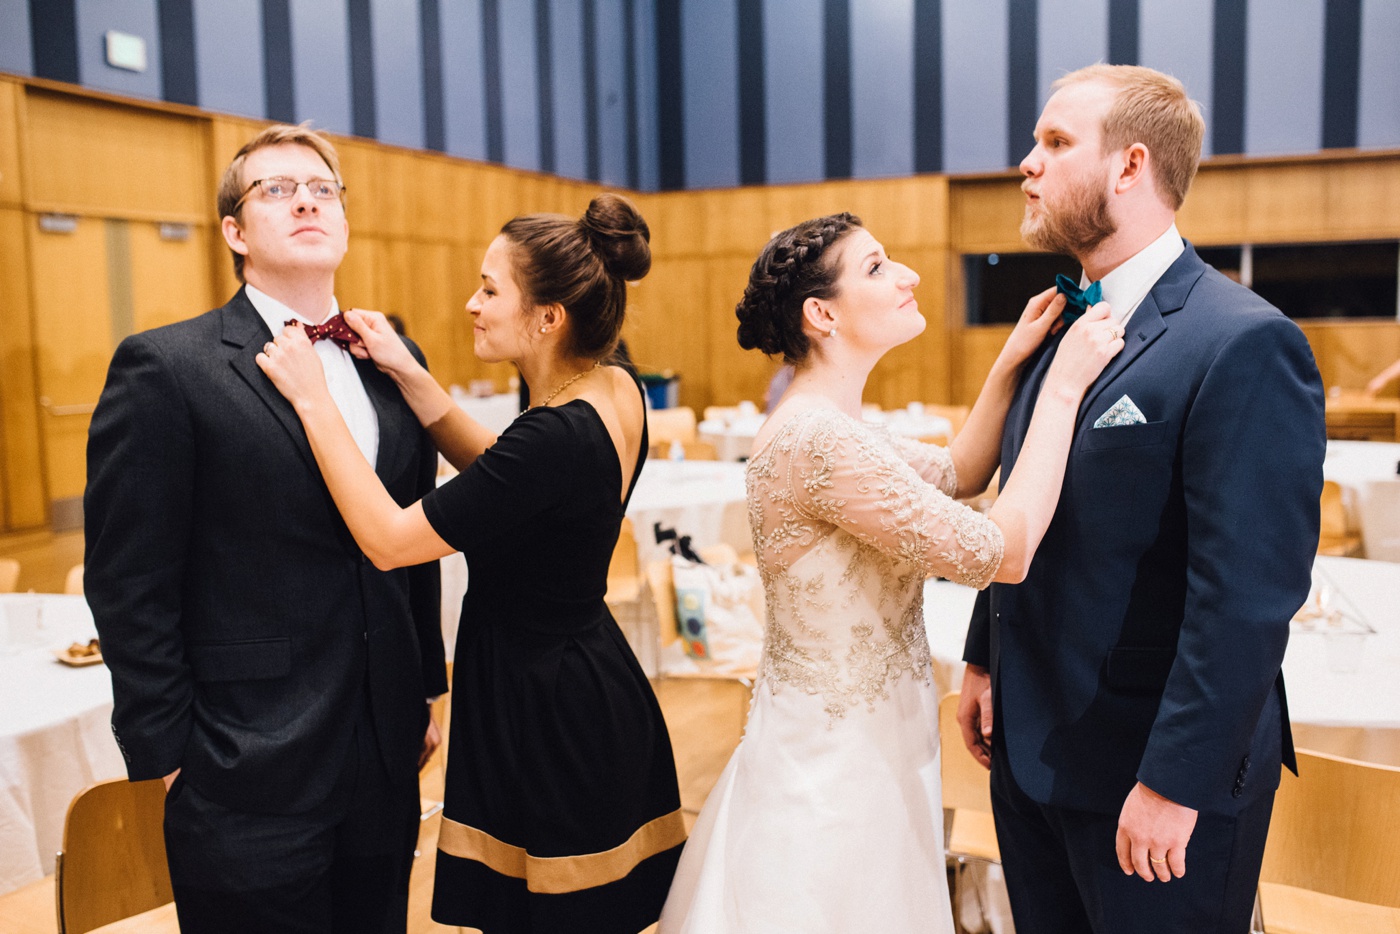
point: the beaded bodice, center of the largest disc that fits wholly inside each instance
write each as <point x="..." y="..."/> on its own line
<point x="847" y="523"/>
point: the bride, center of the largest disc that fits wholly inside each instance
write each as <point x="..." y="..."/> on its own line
<point x="829" y="816"/>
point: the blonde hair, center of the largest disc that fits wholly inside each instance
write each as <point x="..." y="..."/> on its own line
<point x="231" y="185"/>
<point x="1153" y="109"/>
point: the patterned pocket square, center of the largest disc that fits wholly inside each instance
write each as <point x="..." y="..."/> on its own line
<point x="1122" y="412"/>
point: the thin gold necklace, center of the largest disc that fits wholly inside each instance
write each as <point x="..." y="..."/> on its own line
<point x="565" y="385"/>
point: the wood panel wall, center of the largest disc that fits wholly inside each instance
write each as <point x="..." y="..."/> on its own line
<point x="420" y="223"/>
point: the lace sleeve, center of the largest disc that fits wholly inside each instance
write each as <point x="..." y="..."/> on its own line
<point x="847" y="475"/>
<point x="932" y="462"/>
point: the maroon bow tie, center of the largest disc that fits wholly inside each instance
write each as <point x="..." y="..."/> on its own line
<point x="336" y="329"/>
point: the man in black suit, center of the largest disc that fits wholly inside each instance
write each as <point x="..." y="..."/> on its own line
<point x="1127" y="695"/>
<point x="260" y="664"/>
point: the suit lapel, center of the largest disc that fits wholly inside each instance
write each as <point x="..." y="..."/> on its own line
<point x="1018" y="419"/>
<point x="393" y="421"/>
<point x="245" y="334"/>
<point x="1144" y="327"/>
<point x="1149" y="322"/>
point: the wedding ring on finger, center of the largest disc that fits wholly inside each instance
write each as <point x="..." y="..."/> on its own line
<point x="1153" y="859"/>
<point x="267" y="348"/>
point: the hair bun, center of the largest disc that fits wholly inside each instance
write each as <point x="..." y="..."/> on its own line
<point x="619" y="235"/>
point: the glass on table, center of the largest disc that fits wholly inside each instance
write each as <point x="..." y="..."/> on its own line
<point x="1345" y="649"/>
<point x="23" y="618"/>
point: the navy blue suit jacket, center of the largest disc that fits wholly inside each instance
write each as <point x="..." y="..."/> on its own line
<point x="1145" y="643"/>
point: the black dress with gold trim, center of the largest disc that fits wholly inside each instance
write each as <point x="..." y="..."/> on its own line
<point x="562" y="811"/>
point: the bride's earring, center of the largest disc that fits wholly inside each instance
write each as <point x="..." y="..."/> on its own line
<point x="831" y="332"/>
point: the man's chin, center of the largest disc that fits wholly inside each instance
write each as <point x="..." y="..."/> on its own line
<point x="1033" y="232"/>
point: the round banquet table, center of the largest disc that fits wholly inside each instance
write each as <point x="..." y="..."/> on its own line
<point x="55" y="737"/>
<point x="1354" y="714"/>
<point x="702" y="499"/>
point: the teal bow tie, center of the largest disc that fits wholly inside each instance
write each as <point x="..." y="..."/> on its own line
<point x="1077" y="301"/>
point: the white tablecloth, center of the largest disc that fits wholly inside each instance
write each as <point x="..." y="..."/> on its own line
<point x="702" y="499"/>
<point x="1352" y="714"/>
<point x="55" y="739"/>
<point x="495" y="412"/>
<point x="733" y="439"/>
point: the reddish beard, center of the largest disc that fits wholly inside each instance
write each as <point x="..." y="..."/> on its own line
<point x="1076" y="229"/>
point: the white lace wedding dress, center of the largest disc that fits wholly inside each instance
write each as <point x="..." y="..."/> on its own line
<point x="829" y="816"/>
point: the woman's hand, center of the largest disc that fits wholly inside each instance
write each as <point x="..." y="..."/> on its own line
<point x="293" y="366"/>
<point x="1091" y="342"/>
<point x="1040" y="318"/>
<point x="382" y="343"/>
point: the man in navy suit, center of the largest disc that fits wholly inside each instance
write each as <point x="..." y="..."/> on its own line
<point x="1127" y="695"/>
<point x="260" y="664"/>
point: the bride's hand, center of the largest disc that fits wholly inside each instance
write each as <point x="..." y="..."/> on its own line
<point x="293" y="366"/>
<point x="1040" y="318"/>
<point x="1087" y="347"/>
<point x="381" y="343"/>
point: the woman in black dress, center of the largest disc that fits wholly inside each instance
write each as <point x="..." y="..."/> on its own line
<point x="562" y="811"/>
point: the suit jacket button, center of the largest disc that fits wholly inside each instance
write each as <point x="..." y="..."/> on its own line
<point x="1237" y="791"/>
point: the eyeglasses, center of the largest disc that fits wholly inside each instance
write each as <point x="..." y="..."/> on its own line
<point x="281" y="188"/>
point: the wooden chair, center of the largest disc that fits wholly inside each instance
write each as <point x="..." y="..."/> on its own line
<point x="1332" y="862"/>
<point x="721" y="413"/>
<point x="966" y="792"/>
<point x="694" y="450"/>
<point x="955" y="414"/>
<point x="972" y="835"/>
<point x="1336" y="538"/>
<point x="433" y="772"/>
<point x="698" y="774"/>
<point x="667" y="425"/>
<point x="73" y="583"/>
<point x="9" y="575"/>
<point x="624" y="578"/>
<point x="112" y="864"/>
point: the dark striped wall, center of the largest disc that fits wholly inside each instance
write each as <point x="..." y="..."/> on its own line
<point x="663" y="94"/>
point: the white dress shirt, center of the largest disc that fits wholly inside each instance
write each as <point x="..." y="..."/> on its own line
<point x="341" y="376"/>
<point x="1125" y="287"/>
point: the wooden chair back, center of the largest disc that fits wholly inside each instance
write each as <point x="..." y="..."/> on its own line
<point x="966" y="785"/>
<point x="1335" y="537"/>
<point x="955" y="414"/>
<point x="972" y="834"/>
<point x="112" y="864"/>
<point x="1334" y="513"/>
<point x="624" y="579"/>
<point x="721" y="413"/>
<point x="73" y="583"/>
<point x="694" y="450"/>
<point x="9" y="575"/>
<point x="674" y="424"/>
<point x="1336" y="830"/>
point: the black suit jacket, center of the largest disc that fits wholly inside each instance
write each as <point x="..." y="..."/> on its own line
<point x="243" y="628"/>
<point x="1146" y="640"/>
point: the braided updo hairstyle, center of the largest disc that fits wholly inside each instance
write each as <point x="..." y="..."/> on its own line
<point x="796" y="265"/>
<point x="583" y="265"/>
